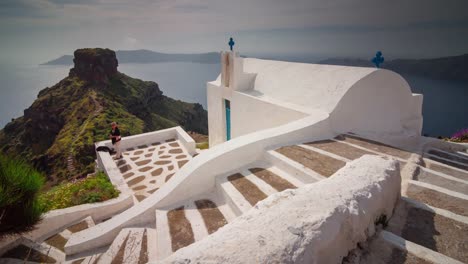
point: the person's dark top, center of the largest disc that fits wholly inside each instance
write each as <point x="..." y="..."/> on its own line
<point x="115" y="132"/>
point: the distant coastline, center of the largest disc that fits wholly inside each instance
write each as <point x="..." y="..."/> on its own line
<point x="148" y="56"/>
<point x="453" y="68"/>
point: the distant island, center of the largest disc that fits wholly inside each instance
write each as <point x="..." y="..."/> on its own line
<point x="446" y="68"/>
<point x="148" y="56"/>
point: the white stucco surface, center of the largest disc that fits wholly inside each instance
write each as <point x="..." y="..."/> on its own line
<point x="317" y="223"/>
<point x="266" y="93"/>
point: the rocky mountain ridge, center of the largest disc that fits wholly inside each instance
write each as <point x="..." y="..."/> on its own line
<point x="58" y="130"/>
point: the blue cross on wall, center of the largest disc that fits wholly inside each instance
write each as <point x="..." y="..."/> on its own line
<point x="231" y="43"/>
<point x="378" y="59"/>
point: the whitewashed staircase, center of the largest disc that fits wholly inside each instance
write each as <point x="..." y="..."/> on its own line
<point x="433" y="207"/>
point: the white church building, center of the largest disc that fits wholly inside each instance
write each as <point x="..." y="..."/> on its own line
<point x="307" y="164"/>
<point x="252" y="95"/>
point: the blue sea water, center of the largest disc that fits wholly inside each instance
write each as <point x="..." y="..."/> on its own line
<point x="445" y="107"/>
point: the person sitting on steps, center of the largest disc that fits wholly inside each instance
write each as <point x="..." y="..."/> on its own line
<point x="116" y="138"/>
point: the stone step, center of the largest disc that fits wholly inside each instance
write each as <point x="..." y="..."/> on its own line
<point x="292" y="168"/>
<point x="438" y="197"/>
<point x="163" y="235"/>
<point x="444" y="233"/>
<point x="387" y="248"/>
<point x="93" y="259"/>
<point x="448" y="162"/>
<point x="286" y="176"/>
<point x="407" y="252"/>
<point x="211" y="215"/>
<point x="442" y="180"/>
<point x="449" y="155"/>
<point x="446" y="169"/>
<point x="274" y="180"/>
<point x="374" y="146"/>
<point x="186" y="224"/>
<point x="152" y="244"/>
<point x="128" y="247"/>
<point x="339" y="148"/>
<point x="58" y="240"/>
<point x="320" y="163"/>
<point x="232" y="196"/>
<point x="27" y="253"/>
<point x="249" y="190"/>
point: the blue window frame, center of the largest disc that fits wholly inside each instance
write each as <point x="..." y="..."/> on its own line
<point x="227" y="105"/>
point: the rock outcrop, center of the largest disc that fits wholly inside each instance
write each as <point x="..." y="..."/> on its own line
<point x="94" y="65"/>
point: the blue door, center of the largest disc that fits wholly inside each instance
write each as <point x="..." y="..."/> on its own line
<point x="227" y="105"/>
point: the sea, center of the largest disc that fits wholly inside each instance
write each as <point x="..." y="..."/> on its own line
<point x="445" y="107"/>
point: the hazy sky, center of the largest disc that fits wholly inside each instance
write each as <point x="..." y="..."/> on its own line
<point x="40" y="30"/>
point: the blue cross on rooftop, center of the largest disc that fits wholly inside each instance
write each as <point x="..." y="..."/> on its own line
<point x="231" y="43"/>
<point x="378" y="59"/>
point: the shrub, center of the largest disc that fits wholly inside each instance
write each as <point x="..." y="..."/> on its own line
<point x="202" y="145"/>
<point x="20" y="208"/>
<point x="93" y="189"/>
<point x="460" y="136"/>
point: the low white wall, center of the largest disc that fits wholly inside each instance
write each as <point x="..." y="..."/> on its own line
<point x="58" y="219"/>
<point x="55" y="220"/>
<point x="248" y="113"/>
<point x="317" y="223"/>
<point x="198" y="176"/>
<point x="152" y="137"/>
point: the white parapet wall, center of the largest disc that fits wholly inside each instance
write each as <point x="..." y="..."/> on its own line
<point x="55" y="220"/>
<point x="317" y="223"/>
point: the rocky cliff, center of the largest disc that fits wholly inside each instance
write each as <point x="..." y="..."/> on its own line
<point x="58" y="130"/>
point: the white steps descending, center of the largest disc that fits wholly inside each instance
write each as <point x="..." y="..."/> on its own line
<point x="194" y="220"/>
<point x="130" y="246"/>
<point x="293" y="168"/>
<point x="163" y="235"/>
<point x="152" y="244"/>
<point x="188" y="223"/>
<point x="232" y="196"/>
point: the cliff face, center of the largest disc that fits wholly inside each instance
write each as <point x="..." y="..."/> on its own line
<point x="94" y="65"/>
<point x="58" y="130"/>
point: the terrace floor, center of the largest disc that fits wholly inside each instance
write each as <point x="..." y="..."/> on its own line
<point x="146" y="168"/>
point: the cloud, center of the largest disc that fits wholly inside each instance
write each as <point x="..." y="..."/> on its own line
<point x="202" y="25"/>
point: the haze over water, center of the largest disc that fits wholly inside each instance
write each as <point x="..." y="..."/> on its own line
<point x="445" y="102"/>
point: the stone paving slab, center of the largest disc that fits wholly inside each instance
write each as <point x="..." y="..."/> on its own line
<point x="446" y="170"/>
<point x="147" y="167"/>
<point x="248" y="189"/>
<point x="438" y="199"/>
<point x="322" y="164"/>
<point x="375" y="146"/>
<point x="211" y="215"/>
<point x="180" y="229"/>
<point x="450" y="156"/>
<point x="430" y="230"/>
<point x="272" y="179"/>
<point x="340" y="149"/>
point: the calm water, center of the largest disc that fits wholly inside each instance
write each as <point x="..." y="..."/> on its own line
<point x="445" y="106"/>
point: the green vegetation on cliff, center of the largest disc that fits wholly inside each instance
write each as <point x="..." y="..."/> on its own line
<point x="20" y="207"/>
<point x="93" y="189"/>
<point x="58" y="131"/>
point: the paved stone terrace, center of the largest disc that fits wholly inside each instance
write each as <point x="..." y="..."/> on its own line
<point x="146" y="168"/>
